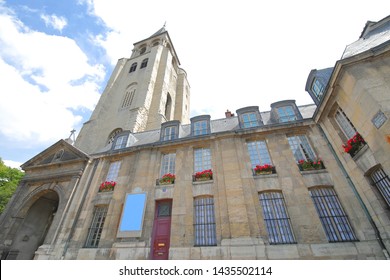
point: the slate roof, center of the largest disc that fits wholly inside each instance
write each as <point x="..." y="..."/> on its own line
<point x="216" y="126"/>
<point x="374" y="34"/>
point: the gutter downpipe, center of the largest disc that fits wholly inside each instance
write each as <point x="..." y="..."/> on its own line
<point x="361" y="202"/>
<point x="90" y="177"/>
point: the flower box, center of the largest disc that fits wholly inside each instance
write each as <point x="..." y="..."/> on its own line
<point x="167" y="179"/>
<point x="107" y="186"/>
<point x="306" y="165"/>
<point x="354" y="144"/>
<point x="265" y="169"/>
<point x="204" y="175"/>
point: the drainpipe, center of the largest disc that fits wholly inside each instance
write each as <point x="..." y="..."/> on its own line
<point x="90" y="177"/>
<point x="361" y="202"/>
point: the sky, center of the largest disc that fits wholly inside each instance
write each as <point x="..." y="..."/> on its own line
<point x="56" y="56"/>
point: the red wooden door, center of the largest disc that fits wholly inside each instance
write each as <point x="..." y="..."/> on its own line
<point x="161" y="230"/>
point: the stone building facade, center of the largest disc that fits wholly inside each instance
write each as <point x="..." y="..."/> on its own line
<point x="145" y="181"/>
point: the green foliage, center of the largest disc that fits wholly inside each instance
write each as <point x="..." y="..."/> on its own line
<point x="9" y="180"/>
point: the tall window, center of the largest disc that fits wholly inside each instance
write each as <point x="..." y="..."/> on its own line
<point x="168" y="164"/>
<point x="202" y="159"/>
<point x="204" y="222"/>
<point x="258" y="153"/>
<point x="170" y="133"/>
<point x="286" y="114"/>
<point x="382" y="182"/>
<point x="95" y="231"/>
<point x="318" y="89"/>
<point x="250" y="120"/>
<point x="201" y="127"/>
<point x="345" y="124"/>
<point x="333" y="218"/>
<point x="144" y="63"/>
<point x="133" y="67"/>
<point x="113" y="171"/>
<point x="276" y="218"/>
<point x="301" y="148"/>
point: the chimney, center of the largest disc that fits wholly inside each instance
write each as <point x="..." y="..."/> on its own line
<point x="228" y="114"/>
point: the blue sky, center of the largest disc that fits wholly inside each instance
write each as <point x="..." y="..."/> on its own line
<point x="56" y="56"/>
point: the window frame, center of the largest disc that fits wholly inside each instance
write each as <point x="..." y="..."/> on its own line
<point x="276" y="218"/>
<point x="96" y="227"/>
<point x="202" y="159"/>
<point x="113" y="171"/>
<point x="168" y="164"/>
<point x="169" y="130"/>
<point x="249" y="117"/>
<point x="318" y="89"/>
<point x="305" y="149"/>
<point x="344" y="123"/>
<point x="204" y="223"/>
<point x="332" y="215"/>
<point x="381" y="181"/>
<point x="285" y="116"/>
<point x="258" y="153"/>
<point x="144" y="63"/>
<point x="133" y="67"/>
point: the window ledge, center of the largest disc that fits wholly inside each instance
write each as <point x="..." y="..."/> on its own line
<point x="360" y="152"/>
<point x="260" y="176"/>
<point x="314" y="171"/>
<point x="200" y="182"/>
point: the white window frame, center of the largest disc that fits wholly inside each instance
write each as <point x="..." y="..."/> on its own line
<point x="202" y="159"/>
<point x="344" y="123"/>
<point x="113" y="171"/>
<point x="168" y="164"/>
<point x="258" y="153"/>
<point x="301" y="148"/>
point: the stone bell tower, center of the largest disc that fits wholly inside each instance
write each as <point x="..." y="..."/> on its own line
<point x="144" y="91"/>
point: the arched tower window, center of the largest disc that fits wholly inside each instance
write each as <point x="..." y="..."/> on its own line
<point x="168" y="107"/>
<point x="144" y="63"/>
<point x="133" y="67"/>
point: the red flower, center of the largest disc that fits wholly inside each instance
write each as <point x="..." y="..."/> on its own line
<point x="208" y="173"/>
<point x="107" y="186"/>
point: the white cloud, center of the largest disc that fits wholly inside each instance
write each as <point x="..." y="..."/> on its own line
<point x="54" y="21"/>
<point x="13" y="164"/>
<point x="44" y="80"/>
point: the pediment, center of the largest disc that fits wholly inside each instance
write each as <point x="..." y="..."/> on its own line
<point x="59" y="153"/>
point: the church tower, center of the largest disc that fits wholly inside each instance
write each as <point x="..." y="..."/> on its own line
<point x="144" y="91"/>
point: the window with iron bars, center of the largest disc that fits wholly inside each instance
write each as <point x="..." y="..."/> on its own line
<point x="276" y="218"/>
<point x="204" y="222"/>
<point x="382" y="182"/>
<point x="333" y="218"/>
<point x="95" y="231"/>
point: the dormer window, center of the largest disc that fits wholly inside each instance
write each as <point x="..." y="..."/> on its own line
<point x="200" y="125"/>
<point x="318" y="89"/>
<point x="144" y="63"/>
<point x="250" y="120"/>
<point x="120" y="142"/>
<point x="286" y="114"/>
<point x="285" y="111"/>
<point x="133" y="67"/>
<point x="169" y="130"/>
<point x="249" y="117"/>
<point x="142" y="50"/>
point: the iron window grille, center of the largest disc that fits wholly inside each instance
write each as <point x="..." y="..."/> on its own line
<point x="95" y="231"/>
<point x="276" y="218"/>
<point x="204" y="222"/>
<point x="382" y="182"/>
<point x="333" y="218"/>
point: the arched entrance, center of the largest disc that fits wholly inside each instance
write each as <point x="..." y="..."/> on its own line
<point x="34" y="227"/>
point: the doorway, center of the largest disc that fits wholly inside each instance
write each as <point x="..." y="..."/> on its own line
<point x="161" y="234"/>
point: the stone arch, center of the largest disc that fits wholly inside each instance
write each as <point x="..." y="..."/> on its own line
<point x="32" y="224"/>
